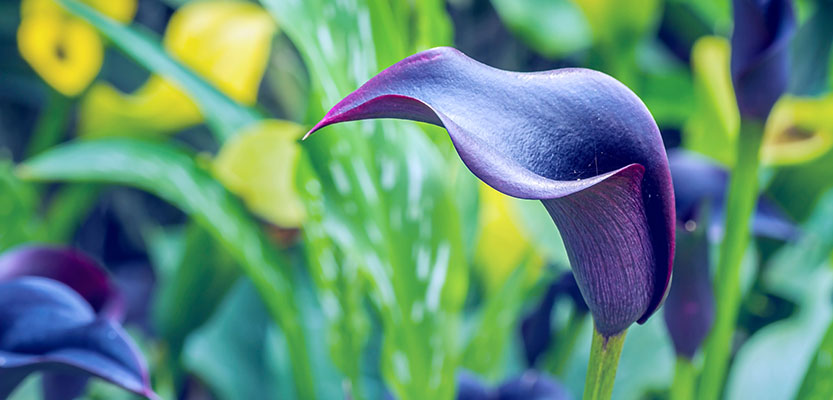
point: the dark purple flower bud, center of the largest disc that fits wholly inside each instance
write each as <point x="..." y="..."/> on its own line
<point x="689" y="308"/>
<point x="760" y="54"/>
<point x="46" y="326"/>
<point x="72" y="268"/>
<point x="576" y="139"/>
<point x="470" y="387"/>
<point x="700" y="182"/>
<point x="532" y="385"/>
<point x="536" y="328"/>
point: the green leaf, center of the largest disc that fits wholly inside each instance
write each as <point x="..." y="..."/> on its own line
<point x="817" y="384"/>
<point x="200" y="267"/>
<point x="232" y="353"/>
<point x="224" y="115"/>
<point x="172" y="174"/>
<point x="498" y="320"/>
<point x="772" y="362"/>
<point x="385" y="189"/>
<point x="18" y="202"/>
<point x="554" y="28"/>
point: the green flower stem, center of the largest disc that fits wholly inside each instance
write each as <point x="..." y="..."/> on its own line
<point x="684" y="376"/>
<point x="601" y="370"/>
<point x="564" y="343"/>
<point x="743" y="193"/>
<point x="51" y="123"/>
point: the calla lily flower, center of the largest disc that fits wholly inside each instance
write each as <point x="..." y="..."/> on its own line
<point x="536" y="328"/>
<point x="225" y="42"/>
<point x="799" y="129"/>
<point x="529" y="385"/>
<point x="576" y="139"/>
<point x="58" y="315"/>
<point x="760" y="54"/>
<point x="700" y="183"/>
<point x="65" y="51"/>
<point x="259" y="166"/>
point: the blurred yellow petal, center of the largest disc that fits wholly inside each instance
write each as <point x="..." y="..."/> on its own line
<point x="119" y="10"/>
<point x="259" y="165"/>
<point x="615" y="21"/>
<point x="502" y="243"/>
<point x="225" y="42"/>
<point x="66" y="52"/>
<point x="713" y="126"/>
<point x="157" y="107"/>
<point x="798" y="130"/>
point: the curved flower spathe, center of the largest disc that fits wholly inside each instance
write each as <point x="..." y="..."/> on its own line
<point x="58" y="316"/>
<point x="760" y="53"/>
<point x="70" y="267"/>
<point x="576" y="139"/>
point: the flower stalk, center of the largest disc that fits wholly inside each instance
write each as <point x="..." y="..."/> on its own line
<point x="601" y="369"/>
<point x="742" y="196"/>
<point x="684" y="376"/>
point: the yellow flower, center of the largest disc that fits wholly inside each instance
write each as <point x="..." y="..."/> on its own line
<point x="713" y="126"/>
<point x="502" y="243"/>
<point x="225" y="42"/>
<point x="259" y="166"/>
<point x="798" y="130"/>
<point x="65" y="51"/>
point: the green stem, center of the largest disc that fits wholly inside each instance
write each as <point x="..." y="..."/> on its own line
<point x="742" y="196"/>
<point x="601" y="370"/>
<point x="564" y="343"/>
<point x="50" y="124"/>
<point x="684" y="375"/>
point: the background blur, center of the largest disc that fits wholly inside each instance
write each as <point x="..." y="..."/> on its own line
<point x="147" y="205"/>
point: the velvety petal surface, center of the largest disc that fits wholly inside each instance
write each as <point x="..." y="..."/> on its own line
<point x="760" y="54"/>
<point x="70" y="267"/>
<point x="576" y="139"/>
<point x="45" y="326"/>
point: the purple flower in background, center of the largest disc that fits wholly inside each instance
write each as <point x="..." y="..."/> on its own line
<point x="536" y="328"/>
<point x="70" y="267"/>
<point x="700" y="183"/>
<point x="576" y="139"/>
<point x="58" y="313"/>
<point x="760" y="53"/>
<point x="531" y="385"/>
<point x="700" y="188"/>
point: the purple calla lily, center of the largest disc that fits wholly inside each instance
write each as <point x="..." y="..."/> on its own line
<point x="58" y="313"/>
<point x="576" y="139"/>
<point x="531" y="385"/>
<point x="760" y="54"/>
<point x="690" y="306"/>
<point x="536" y="328"/>
<point x="704" y="182"/>
<point x="72" y="268"/>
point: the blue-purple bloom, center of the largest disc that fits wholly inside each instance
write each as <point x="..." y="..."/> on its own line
<point x="576" y="139"/>
<point x="58" y="314"/>
<point x="536" y="327"/>
<point x="700" y="188"/>
<point x="760" y="54"/>
<point x="531" y="385"/>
